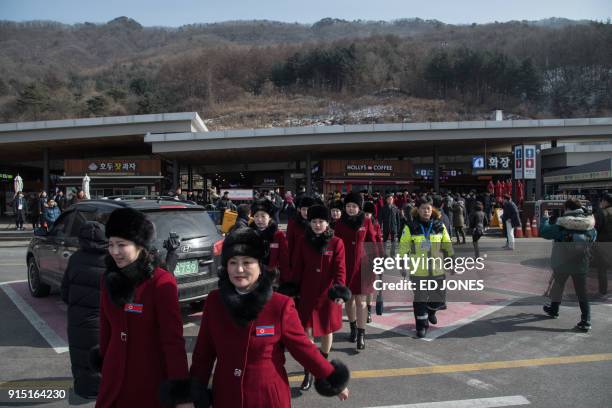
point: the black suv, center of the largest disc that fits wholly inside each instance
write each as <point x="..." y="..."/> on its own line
<point x="195" y="272"/>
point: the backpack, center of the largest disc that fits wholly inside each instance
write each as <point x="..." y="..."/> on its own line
<point x="579" y="245"/>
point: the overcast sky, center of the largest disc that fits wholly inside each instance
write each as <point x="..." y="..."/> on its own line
<point x="174" y="13"/>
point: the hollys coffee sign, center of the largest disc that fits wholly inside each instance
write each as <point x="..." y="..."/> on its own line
<point x="363" y="169"/>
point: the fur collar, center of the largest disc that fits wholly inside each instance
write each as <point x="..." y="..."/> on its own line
<point x="576" y="220"/>
<point x="121" y="283"/>
<point x="319" y="243"/>
<point x="245" y="308"/>
<point x="268" y="233"/>
<point x="355" y="221"/>
<point x="436" y="228"/>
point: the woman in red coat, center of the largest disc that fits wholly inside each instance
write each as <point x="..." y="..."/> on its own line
<point x="369" y="209"/>
<point x="142" y="350"/>
<point x="320" y="273"/>
<point x="275" y="240"/>
<point x="246" y="328"/>
<point x="297" y="225"/>
<point x="335" y="211"/>
<point x="355" y="229"/>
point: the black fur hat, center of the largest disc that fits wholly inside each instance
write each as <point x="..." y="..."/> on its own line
<point x="319" y="212"/>
<point x="355" y="198"/>
<point x="130" y="224"/>
<point x="243" y="242"/>
<point x="305" y="201"/>
<point x="337" y="204"/>
<point x="369" y="207"/>
<point x="264" y="205"/>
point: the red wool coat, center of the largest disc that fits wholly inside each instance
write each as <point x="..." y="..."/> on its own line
<point x="295" y="232"/>
<point x="250" y="369"/>
<point x="315" y="273"/>
<point x="355" y="252"/>
<point x="140" y="350"/>
<point x="279" y="256"/>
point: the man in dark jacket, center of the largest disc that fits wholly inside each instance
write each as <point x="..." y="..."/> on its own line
<point x="61" y="201"/>
<point x="390" y="220"/>
<point x="19" y="208"/>
<point x="81" y="291"/>
<point x="438" y="204"/>
<point x="603" y="224"/>
<point x="242" y="221"/>
<point x="573" y="233"/>
<point x="510" y="221"/>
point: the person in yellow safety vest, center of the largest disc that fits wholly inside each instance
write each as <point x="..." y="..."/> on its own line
<point x="427" y="243"/>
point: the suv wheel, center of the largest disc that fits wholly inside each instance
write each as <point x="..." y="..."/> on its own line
<point x="37" y="288"/>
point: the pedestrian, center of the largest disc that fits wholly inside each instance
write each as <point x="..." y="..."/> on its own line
<point x="277" y="199"/>
<point x="510" y="220"/>
<point x="142" y="351"/>
<point x="369" y="209"/>
<point x="61" y="201"/>
<point x="33" y="215"/>
<point x="478" y="223"/>
<point x="296" y="226"/>
<point x="459" y="217"/>
<point x="42" y="204"/>
<point x="277" y="259"/>
<point x="335" y="210"/>
<point x="289" y="205"/>
<point x="80" y="290"/>
<point x="390" y="220"/>
<point x="244" y="333"/>
<point x="19" y="208"/>
<point x="426" y="238"/>
<point x="573" y="234"/>
<point x="603" y="246"/>
<point x="320" y="273"/>
<point x="438" y="204"/>
<point x="51" y="213"/>
<point x="243" y="218"/>
<point x="355" y="229"/>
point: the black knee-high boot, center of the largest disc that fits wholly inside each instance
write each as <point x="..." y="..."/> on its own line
<point x="360" y="339"/>
<point x="307" y="381"/>
<point x="353" y="334"/>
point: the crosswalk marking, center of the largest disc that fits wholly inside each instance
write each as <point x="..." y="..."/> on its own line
<point x="509" y="401"/>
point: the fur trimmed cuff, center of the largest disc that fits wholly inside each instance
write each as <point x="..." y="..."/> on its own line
<point x="95" y="359"/>
<point x="173" y="392"/>
<point x="339" y="292"/>
<point x="289" y="289"/>
<point x="201" y="394"/>
<point x="336" y="382"/>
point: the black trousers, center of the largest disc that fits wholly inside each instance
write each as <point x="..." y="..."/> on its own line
<point x="580" y="281"/>
<point x="427" y="302"/>
<point x="19" y="219"/>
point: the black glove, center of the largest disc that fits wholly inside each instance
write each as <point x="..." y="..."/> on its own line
<point x="172" y="243"/>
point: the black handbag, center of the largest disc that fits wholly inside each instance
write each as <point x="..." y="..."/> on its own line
<point x="379" y="303"/>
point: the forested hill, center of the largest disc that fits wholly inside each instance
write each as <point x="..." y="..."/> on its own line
<point x="265" y="73"/>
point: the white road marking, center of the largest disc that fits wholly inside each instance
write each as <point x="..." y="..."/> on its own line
<point x="11" y="282"/>
<point x="56" y="342"/>
<point x="510" y="401"/>
<point x="186" y="325"/>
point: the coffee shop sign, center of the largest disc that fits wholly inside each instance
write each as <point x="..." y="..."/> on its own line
<point x="369" y="167"/>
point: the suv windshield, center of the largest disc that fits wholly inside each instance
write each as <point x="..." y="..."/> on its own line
<point x="188" y="224"/>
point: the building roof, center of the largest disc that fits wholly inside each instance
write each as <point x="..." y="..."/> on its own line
<point x="598" y="170"/>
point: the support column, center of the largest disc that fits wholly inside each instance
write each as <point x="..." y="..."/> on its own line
<point x="46" y="171"/>
<point x="308" y="174"/>
<point x="553" y="143"/>
<point x="176" y="169"/>
<point x="539" y="178"/>
<point x="436" y="170"/>
<point x="189" y="178"/>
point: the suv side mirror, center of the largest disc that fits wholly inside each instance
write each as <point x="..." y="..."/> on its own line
<point x="40" y="232"/>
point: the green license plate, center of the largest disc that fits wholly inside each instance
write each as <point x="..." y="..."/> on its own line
<point x="186" y="267"/>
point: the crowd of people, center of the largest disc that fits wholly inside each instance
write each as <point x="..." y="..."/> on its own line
<point x="278" y="291"/>
<point x="40" y="209"/>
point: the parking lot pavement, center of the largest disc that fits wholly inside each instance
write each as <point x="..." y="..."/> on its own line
<point x="496" y="349"/>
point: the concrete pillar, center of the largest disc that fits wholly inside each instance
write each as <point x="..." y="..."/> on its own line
<point x="436" y="169"/>
<point x="553" y="143"/>
<point x="46" y="171"/>
<point x="189" y="178"/>
<point x="539" y="179"/>
<point x="308" y="174"/>
<point x="176" y="169"/>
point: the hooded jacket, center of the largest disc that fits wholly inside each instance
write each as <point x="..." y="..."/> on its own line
<point x="80" y="289"/>
<point x="572" y="234"/>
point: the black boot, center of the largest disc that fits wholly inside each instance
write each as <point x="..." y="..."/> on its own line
<point x="552" y="310"/>
<point x="325" y="355"/>
<point x="431" y="316"/>
<point x="307" y="381"/>
<point x="353" y="334"/>
<point x="360" y="339"/>
<point x="369" y="314"/>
